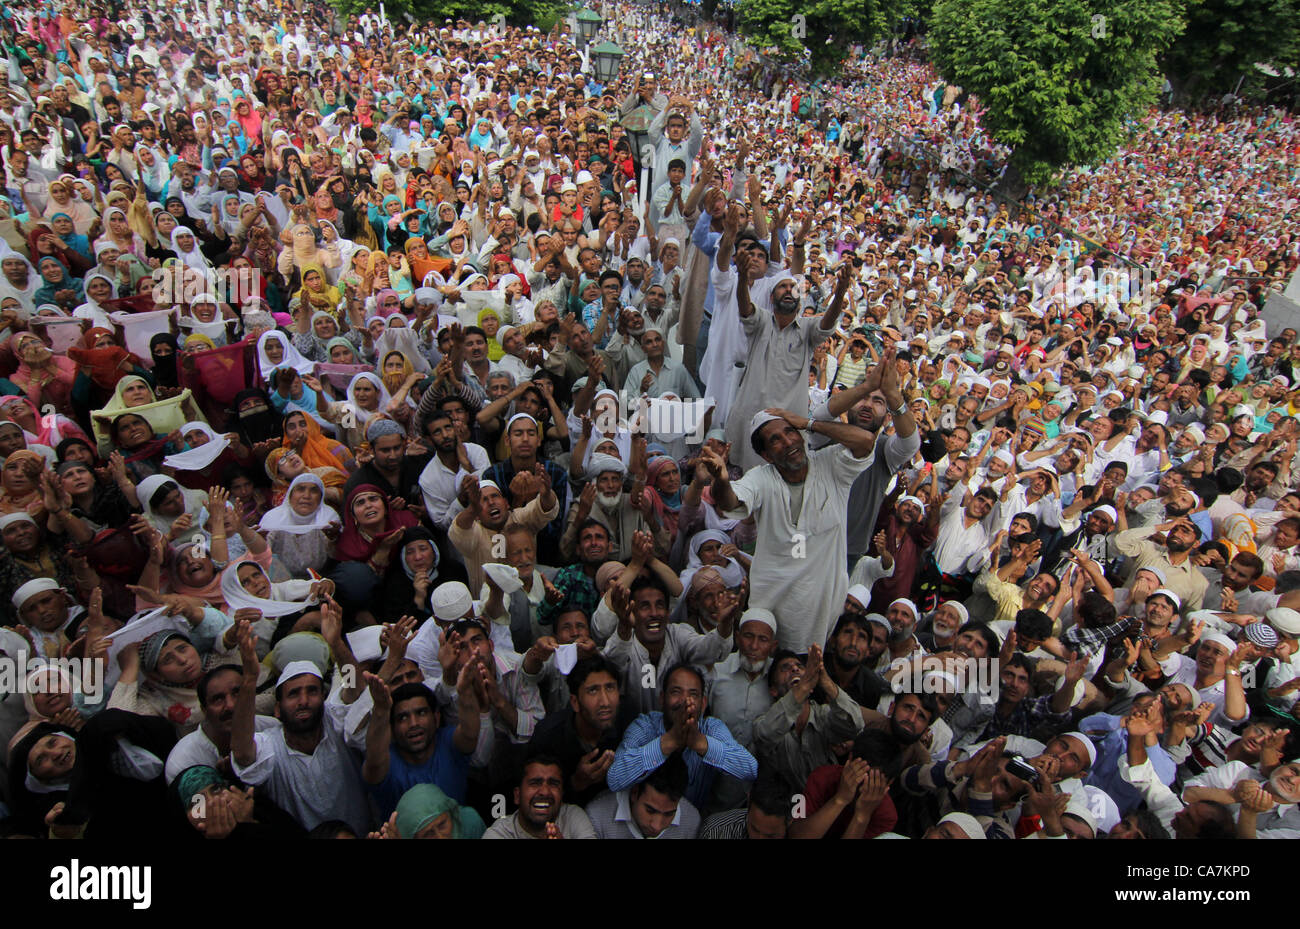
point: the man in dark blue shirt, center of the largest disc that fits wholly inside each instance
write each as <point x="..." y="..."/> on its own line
<point x="407" y="745"/>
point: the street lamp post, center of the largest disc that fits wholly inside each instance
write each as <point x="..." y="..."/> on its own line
<point x="605" y="58"/>
<point x="589" y="23"/>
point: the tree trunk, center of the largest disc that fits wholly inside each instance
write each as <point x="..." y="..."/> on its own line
<point x="1012" y="184"/>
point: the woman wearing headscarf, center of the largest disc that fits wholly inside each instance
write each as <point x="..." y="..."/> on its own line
<point x="52" y="695"/>
<point x="42" y="241"/>
<point x="663" y="489"/>
<point x="43" y="377"/>
<point x="425" y="812"/>
<point x="159" y="677"/>
<point x="48" y="430"/>
<point x="205" y="317"/>
<point x="186" y="246"/>
<point x="303" y="435"/>
<point x="292" y="605"/>
<point x="20" y="484"/>
<point x="99" y="288"/>
<point x="61" y="200"/>
<point x="417" y="569"/>
<point x="255" y="422"/>
<point x="315" y="330"/>
<point x="205" y="457"/>
<point x="372" y="532"/>
<point x="133" y="394"/>
<point x="274" y="351"/>
<point x="117" y="229"/>
<point x="58" y="286"/>
<point x="299" y="529"/>
<point x="101" y="364"/>
<point x="164" y="501"/>
<point x="216" y="808"/>
<point x="317" y="293"/>
<point x="108" y="774"/>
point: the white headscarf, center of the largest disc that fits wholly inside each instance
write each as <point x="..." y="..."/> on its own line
<point x="284" y="518"/>
<point x="196" y="459"/>
<point x="237" y="598"/>
<point x="194" y="258"/>
<point x="292" y="358"/>
<point x="385" y="398"/>
<point x="215" y="330"/>
<point x="151" y="485"/>
<point x="732" y="572"/>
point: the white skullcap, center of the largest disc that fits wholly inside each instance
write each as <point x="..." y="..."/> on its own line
<point x="1285" y="620"/>
<point x="908" y="498"/>
<point x="1166" y="592"/>
<point x="1108" y="510"/>
<point x="1087" y="744"/>
<point x="295" y="668"/>
<point x="600" y="463"/>
<point x="907" y="603"/>
<point x="32" y="588"/>
<point x="758" y="615"/>
<point x="364" y="643"/>
<point x="1095" y="808"/>
<point x="966" y="823"/>
<point x="1221" y="639"/>
<point x="860" y="593"/>
<point x="1003" y="455"/>
<point x="451" y="601"/>
<point x="761" y="419"/>
<point x="959" y="607"/>
<point x="10" y="519"/>
<point x="1160" y="575"/>
<point x="878" y="620"/>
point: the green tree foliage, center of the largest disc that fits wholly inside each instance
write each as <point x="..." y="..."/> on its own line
<point x="1224" y="39"/>
<point x="830" y="27"/>
<point x="1058" y="78"/>
<point x="540" y="13"/>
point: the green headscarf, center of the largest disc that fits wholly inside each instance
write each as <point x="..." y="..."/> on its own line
<point x="424" y="803"/>
<point x="340" y="340"/>
<point x="195" y="779"/>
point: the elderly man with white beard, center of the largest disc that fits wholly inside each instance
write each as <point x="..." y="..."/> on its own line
<point x="798" y="499"/>
<point x="605" y="501"/>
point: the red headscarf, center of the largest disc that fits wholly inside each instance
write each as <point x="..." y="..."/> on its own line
<point x="106" y="366"/>
<point x="353" y="544"/>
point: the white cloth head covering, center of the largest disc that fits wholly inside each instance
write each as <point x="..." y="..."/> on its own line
<point x="295" y="668"/>
<point x="966" y="823"/>
<point x="385" y="398"/>
<point x="194" y="258"/>
<point x="196" y="459"/>
<point x="237" y="598"/>
<point x="284" y="518"/>
<point x="292" y="358"/>
<point x="732" y="572"/>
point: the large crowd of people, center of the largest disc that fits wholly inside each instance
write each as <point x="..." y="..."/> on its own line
<point x="407" y="434"/>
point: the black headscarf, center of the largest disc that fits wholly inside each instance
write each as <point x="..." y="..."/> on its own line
<point x="164" y="366"/>
<point x="255" y="426"/>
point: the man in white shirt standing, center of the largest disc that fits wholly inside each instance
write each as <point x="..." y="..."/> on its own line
<point x="799" y="501"/>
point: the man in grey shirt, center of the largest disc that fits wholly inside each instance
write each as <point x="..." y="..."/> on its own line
<point x="656" y="808"/>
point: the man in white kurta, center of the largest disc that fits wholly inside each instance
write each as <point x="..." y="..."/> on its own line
<point x="780" y="343"/>
<point x="798" y="499"/>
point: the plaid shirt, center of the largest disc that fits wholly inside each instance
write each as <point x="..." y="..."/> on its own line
<point x="1088" y="642"/>
<point x="1024" y="718"/>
